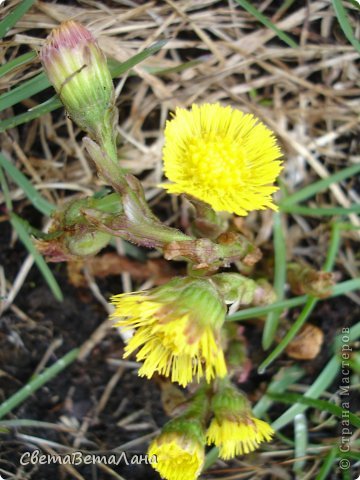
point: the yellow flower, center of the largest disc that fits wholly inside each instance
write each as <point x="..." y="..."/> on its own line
<point x="179" y="456"/>
<point x="177" y="329"/>
<point x="234" y="429"/>
<point x="223" y="157"/>
<point x="238" y="437"/>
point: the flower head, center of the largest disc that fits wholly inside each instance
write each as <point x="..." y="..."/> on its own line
<point x="221" y="156"/>
<point x="77" y="68"/>
<point x="234" y="429"/>
<point x="179" y="450"/>
<point x="178" y="329"/>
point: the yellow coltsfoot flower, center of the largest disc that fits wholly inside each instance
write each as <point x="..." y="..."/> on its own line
<point x="223" y="157"/>
<point x="179" y="450"/>
<point x="234" y="429"/>
<point x="177" y="329"/>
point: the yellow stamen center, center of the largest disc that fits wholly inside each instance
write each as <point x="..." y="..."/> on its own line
<point x="215" y="161"/>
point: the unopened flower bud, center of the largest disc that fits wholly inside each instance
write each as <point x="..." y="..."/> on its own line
<point x="78" y="70"/>
<point x="304" y="279"/>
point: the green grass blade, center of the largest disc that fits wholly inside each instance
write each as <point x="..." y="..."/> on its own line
<point x="273" y="317"/>
<point x="345" y="287"/>
<point x="346" y="474"/>
<point x="17" y="62"/>
<point x="350" y="454"/>
<point x="23" y="91"/>
<point x="265" y="21"/>
<point x="342" y="17"/>
<point x="256" y="312"/>
<point x="333" y="247"/>
<point x="6" y="191"/>
<point x="35" y="112"/>
<point x="14" y="16"/>
<point x="295" y="327"/>
<point x="37" y="382"/>
<point x="33" y="195"/>
<point x="319" y="186"/>
<point x="327" y="464"/>
<point x="301" y="437"/>
<point x="322" y="405"/>
<point x="18" y="225"/>
<point x="211" y="458"/>
<point x="323" y="381"/>
<point x="281" y="381"/>
<point x="158" y="71"/>
<point x="320" y="211"/>
<point x="118" y="69"/>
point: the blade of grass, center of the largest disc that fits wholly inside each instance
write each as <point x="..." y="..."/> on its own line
<point x="320" y="211"/>
<point x="323" y="381"/>
<point x="33" y="195"/>
<point x="256" y="312"/>
<point x="18" y="226"/>
<point x="280" y="382"/>
<point x="25" y="90"/>
<point x="211" y="458"/>
<point x="32" y="231"/>
<point x="37" y="382"/>
<point x="301" y="443"/>
<point x="352" y="455"/>
<point x="322" y="405"/>
<point x="333" y="248"/>
<point x="310" y="303"/>
<point x="117" y="69"/>
<point x="158" y="71"/>
<point x="14" y="16"/>
<point x="16" y="62"/>
<point x="319" y="186"/>
<point x="268" y="23"/>
<point x="346" y="474"/>
<point x="296" y="326"/>
<point x="273" y="317"/>
<point x="342" y="17"/>
<point x="178" y="68"/>
<point x="35" y="112"/>
<point x="327" y="464"/>
<point x="5" y="189"/>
